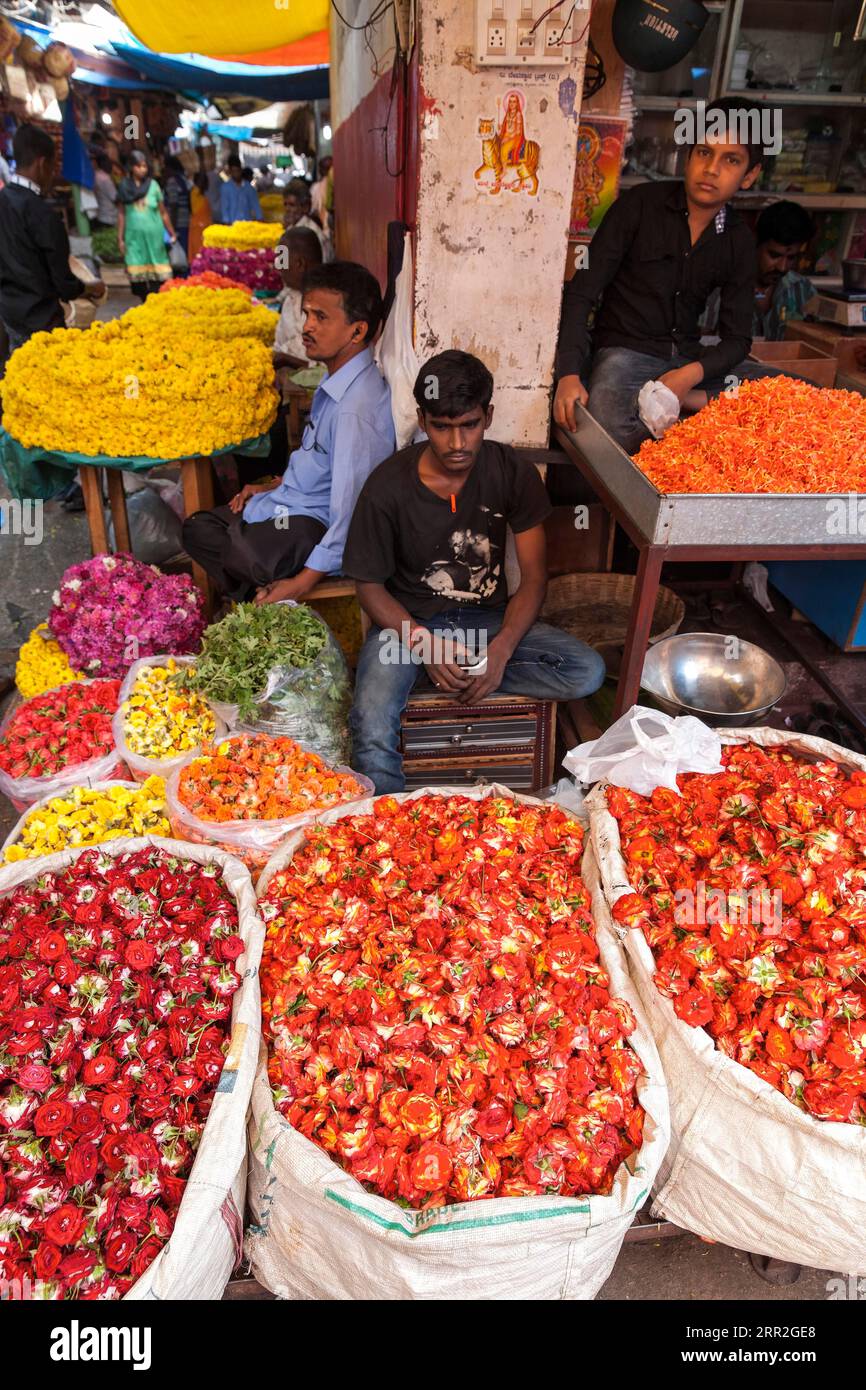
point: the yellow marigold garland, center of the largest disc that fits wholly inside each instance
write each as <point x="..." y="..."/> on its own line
<point x="229" y="314"/>
<point x="243" y="236"/>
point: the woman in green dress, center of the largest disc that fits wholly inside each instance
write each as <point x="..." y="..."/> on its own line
<point x="141" y="222"/>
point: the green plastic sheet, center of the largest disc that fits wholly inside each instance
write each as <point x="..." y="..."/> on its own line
<point x="43" y="473"/>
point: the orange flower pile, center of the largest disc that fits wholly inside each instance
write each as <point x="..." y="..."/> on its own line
<point x="207" y="280"/>
<point x="774" y="435"/>
<point x="258" y="777"/>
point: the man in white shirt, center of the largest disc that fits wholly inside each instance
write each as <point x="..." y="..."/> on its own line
<point x="298" y="251"/>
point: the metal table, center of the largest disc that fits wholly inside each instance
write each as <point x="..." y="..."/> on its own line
<point x="693" y="526"/>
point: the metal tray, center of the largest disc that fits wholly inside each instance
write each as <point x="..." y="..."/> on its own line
<point x="700" y="518"/>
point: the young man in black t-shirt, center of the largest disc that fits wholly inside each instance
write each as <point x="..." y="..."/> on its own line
<point x="426" y="547"/>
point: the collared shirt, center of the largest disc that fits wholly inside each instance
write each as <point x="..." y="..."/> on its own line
<point x="239" y="202"/>
<point x="34" y="259"/>
<point x="792" y="293"/>
<point x="350" y="431"/>
<point x="20" y="182"/>
<point x="653" y="284"/>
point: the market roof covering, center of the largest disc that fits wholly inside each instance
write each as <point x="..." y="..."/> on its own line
<point x="222" y="27"/>
<point x="195" y="73"/>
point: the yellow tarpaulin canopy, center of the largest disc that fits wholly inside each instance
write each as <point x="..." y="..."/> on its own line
<point x="221" y="26"/>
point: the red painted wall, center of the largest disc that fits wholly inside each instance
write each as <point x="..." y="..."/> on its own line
<point x="376" y="170"/>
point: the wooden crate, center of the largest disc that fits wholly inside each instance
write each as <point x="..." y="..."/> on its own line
<point x="507" y="738"/>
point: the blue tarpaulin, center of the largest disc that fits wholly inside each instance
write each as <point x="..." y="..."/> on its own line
<point x="76" y="166"/>
<point x="193" y="73"/>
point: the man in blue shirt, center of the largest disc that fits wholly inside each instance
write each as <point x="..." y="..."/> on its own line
<point x="239" y="201"/>
<point x="277" y="542"/>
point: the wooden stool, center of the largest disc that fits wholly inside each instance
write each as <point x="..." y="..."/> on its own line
<point x="507" y="738"/>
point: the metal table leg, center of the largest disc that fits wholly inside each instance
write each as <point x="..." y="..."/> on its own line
<point x="639" y="625"/>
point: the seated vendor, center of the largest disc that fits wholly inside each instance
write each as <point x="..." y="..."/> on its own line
<point x="278" y="542"/>
<point x="660" y="251"/>
<point x="782" y="233"/>
<point x="427" y="549"/>
<point x="299" y="251"/>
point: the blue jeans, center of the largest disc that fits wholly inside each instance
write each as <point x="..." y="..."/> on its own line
<point x="617" y="375"/>
<point x="547" y="665"/>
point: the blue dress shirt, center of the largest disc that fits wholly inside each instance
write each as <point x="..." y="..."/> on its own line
<point x="239" y="202"/>
<point x="350" y="431"/>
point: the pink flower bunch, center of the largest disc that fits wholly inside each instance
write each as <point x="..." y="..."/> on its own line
<point x="253" y="268"/>
<point x="112" y="610"/>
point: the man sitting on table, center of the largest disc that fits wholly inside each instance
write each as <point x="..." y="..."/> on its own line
<point x="659" y="252"/>
<point x="427" y="549"/>
<point x="278" y="542"/>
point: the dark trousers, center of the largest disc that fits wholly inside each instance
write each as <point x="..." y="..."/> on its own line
<point x="242" y="556"/>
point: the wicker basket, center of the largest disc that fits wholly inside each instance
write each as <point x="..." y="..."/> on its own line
<point x="596" y="607"/>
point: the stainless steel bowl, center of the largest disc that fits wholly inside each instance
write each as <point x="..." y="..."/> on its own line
<point x="854" y="276"/>
<point x="722" y="680"/>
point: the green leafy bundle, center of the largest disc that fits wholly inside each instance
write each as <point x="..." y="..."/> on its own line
<point x="239" y="653"/>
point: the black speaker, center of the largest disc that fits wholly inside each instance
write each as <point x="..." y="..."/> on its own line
<point x="652" y="35"/>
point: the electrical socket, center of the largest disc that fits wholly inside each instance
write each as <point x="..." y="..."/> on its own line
<point x="495" y="37"/>
<point x="525" y="38"/>
<point x="553" y="34"/>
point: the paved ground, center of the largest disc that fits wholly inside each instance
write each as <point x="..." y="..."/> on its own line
<point x="686" y="1267"/>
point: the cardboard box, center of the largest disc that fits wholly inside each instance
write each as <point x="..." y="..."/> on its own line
<point x="798" y="357"/>
<point x="848" y="346"/>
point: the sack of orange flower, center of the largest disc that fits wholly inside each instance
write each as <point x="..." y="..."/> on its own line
<point x="458" y="1096"/>
<point x="740" y="901"/>
<point x="139" y="1192"/>
<point x="247" y="793"/>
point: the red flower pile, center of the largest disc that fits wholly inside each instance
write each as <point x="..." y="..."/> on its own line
<point x="68" y="725"/>
<point x="116" y="980"/>
<point x="750" y="888"/>
<point x="437" y="1016"/>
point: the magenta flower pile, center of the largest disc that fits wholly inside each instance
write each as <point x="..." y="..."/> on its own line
<point x="112" y="610"/>
<point x="254" y="268"/>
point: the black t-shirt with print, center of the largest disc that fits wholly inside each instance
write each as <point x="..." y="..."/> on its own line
<point x="430" y="558"/>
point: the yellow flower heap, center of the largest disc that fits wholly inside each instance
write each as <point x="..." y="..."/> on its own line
<point x="243" y="236"/>
<point x="90" y="815"/>
<point x="161" y="381"/>
<point x="42" y="664"/>
<point x="196" y="309"/>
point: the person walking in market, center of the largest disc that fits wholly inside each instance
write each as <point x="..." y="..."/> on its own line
<point x="660" y="251"/>
<point x="200" y="214"/>
<point x="177" y="200"/>
<point x="142" y="223"/>
<point x="239" y="200"/>
<point x="426" y="548"/>
<point x="275" y="543"/>
<point x="34" y="244"/>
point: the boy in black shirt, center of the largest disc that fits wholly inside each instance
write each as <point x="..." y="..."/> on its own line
<point x="660" y="251"/>
<point x="426" y="547"/>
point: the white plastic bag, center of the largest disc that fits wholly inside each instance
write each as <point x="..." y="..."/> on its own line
<point x="142" y="768"/>
<point x="318" y="1233"/>
<point x="657" y="407"/>
<point x="646" y="749"/>
<point x="253" y="841"/>
<point x="745" y="1166"/>
<point x="205" y="1245"/>
<point x="24" y="791"/>
<point x="395" y="352"/>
